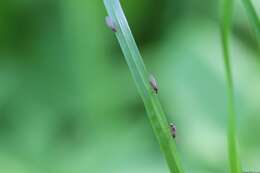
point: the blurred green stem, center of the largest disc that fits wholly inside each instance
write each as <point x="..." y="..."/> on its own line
<point x="226" y="20"/>
<point x="141" y="77"/>
<point x="252" y="15"/>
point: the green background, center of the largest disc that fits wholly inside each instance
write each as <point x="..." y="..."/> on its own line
<point x="69" y="105"/>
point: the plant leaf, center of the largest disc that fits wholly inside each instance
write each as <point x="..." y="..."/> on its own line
<point x="141" y="77"/>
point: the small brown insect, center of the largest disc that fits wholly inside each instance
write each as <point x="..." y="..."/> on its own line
<point x="153" y="83"/>
<point x="173" y="130"/>
<point x="110" y="23"/>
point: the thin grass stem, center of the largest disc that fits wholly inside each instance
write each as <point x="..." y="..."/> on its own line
<point x="254" y="19"/>
<point x="226" y="20"/>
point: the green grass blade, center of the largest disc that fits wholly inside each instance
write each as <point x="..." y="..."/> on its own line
<point x="252" y="15"/>
<point x="140" y="75"/>
<point x="226" y="20"/>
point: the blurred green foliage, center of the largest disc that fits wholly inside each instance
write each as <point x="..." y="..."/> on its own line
<point x="68" y="103"/>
